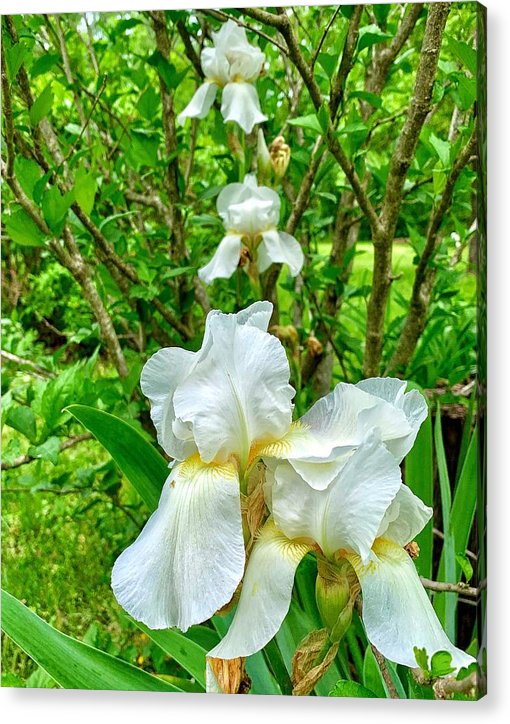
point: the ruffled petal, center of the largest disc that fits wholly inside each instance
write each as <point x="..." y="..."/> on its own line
<point x="411" y="404"/>
<point x="397" y="612"/>
<point x="238" y="393"/>
<point x="265" y="596"/>
<point x="161" y="375"/>
<point x="200" y="105"/>
<point x="240" y="103"/>
<point x="225" y="260"/>
<point x="348" y="514"/>
<point x="405" y="518"/>
<point x="280" y="248"/>
<point x="189" y="559"/>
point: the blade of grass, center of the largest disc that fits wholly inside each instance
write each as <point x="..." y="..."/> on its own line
<point x="448" y="616"/>
<point x="466" y="437"/>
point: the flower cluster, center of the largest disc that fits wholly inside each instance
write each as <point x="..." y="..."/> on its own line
<point x="249" y="212"/>
<point x="332" y="488"/>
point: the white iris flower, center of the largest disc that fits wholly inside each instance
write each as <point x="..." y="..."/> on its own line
<point x="214" y="411"/>
<point x="233" y="65"/>
<point x="250" y="214"/>
<point x="354" y="507"/>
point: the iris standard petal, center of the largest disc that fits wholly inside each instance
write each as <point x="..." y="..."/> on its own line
<point x="265" y="596"/>
<point x="160" y="377"/>
<point x="189" y="559"/>
<point x="240" y="103"/>
<point x="277" y="247"/>
<point x="411" y="404"/>
<point x="238" y="394"/>
<point x="200" y="105"/>
<point x="348" y="514"/>
<point x="225" y="260"/>
<point x="397" y="612"/>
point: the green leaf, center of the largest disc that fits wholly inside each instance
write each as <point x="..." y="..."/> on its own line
<point x="344" y="687"/>
<point x="85" y="187"/>
<point x="142" y="465"/>
<point x="372" y="98"/>
<point x="44" y="64"/>
<point x="71" y="663"/>
<point x="14" y="57"/>
<point x="422" y="659"/>
<point x="148" y="103"/>
<point x="464" y="52"/>
<point x="23" y="230"/>
<point x="370" y="35"/>
<point x="42" y="106"/>
<point x="311" y="121"/>
<point x="22" y="419"/>
<point x="372" y="677"/>
<point x="448" y="554"/>
<point x="48" y="450"/>
<point x="171" y="77"/>
<point x="55" y="208"/>
<point x="179" y="647"/>
<point x="466" y="92"/>
<point x="465" y="566"/>
<point x="28" y="173"/>
<point x="441" y="664"/>
<point x="442" y="148"/>
<point x="329" y="62"/>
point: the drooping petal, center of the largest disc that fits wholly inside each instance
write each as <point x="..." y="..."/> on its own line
<point x="411" y="404"/>
<point x="200" y="105"/>
<point x="189" y="559"/>
<point x="265" y="595"/>
<point x="161" y="375"/>
<point x="225" y="260"/>
<point x="405" y="518"/>
<point x="240" y="103"/>
<point x="397" y="612"/>
<point x="280" y="248"/>
<point x="238" y="393"/>
<point x="348" y="514"/>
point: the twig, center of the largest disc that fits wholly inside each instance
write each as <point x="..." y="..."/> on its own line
<point x="25" y="459"/>
<point x="381" y="662"/>
<point x="220" y="15"/>
<point x="441" y="587"/>
<point x="22" y="362"/>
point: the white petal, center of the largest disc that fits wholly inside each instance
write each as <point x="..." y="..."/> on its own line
<point x="280" y="248"/>
<point x="161" y="375"/>
<point x="348" y="514"/>
<point x="405" y="518"/>
<point x="251" y="216"/>
<point x="240" y="103"/>
<point x="189" y="559"/>
<point x="215" y="66"/>
<point x="412" y="404"/>
<point x="200" y="105"/>
<point x="238" y="393"/>
<point x="397" y="612"/>
<point x="337" y="424"/>
<point x="225" y="260"/>
<point x="265" y="596"/>
<point x="245" y="60"/>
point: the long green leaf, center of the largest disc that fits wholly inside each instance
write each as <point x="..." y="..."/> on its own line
<point x="187" y="653"/>
<point x="419" y="476"/>
<point x="71" y="663"/>
<point x="462" y="516"/>
<point x="448" y="615"/>
<point x="142" y="465"/>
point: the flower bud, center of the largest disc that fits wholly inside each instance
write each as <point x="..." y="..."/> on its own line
<point x="279" y="153"/>
<point x="264" y="164"/>
<point x="334" y="597"/>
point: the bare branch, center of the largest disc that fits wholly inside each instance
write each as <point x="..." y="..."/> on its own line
<point x="440" y="587"/>
<point x="25" y="459"/>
